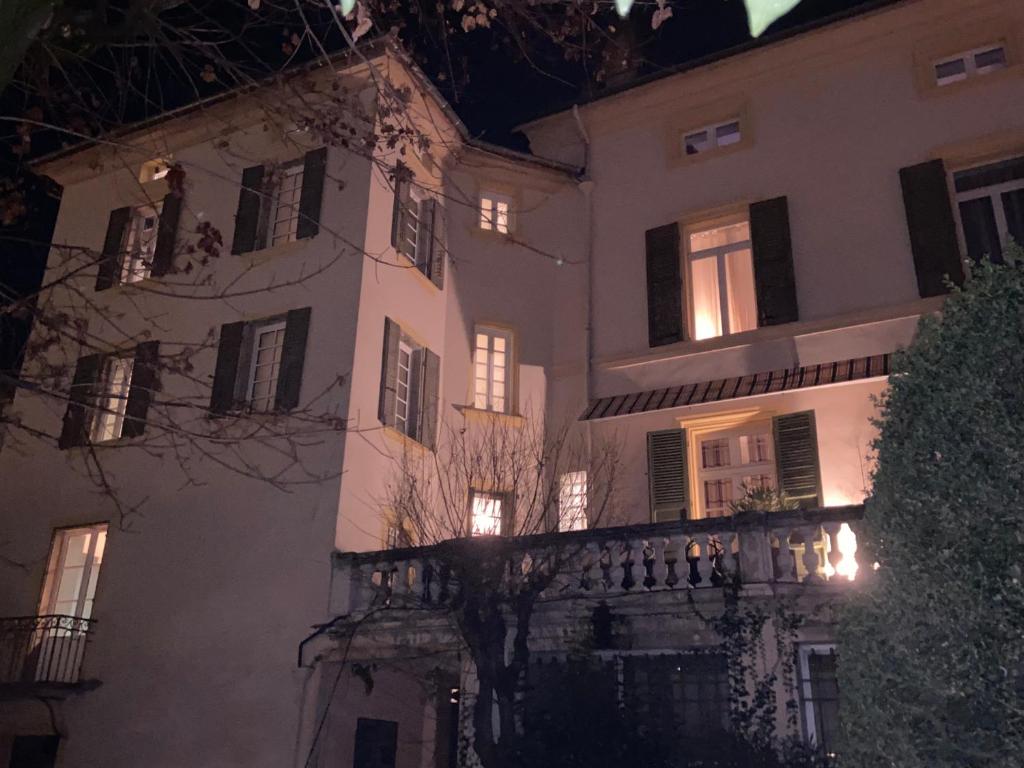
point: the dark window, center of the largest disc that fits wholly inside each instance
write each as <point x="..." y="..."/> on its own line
<point x="34" y="751"/>
<point x="819" y="690"/>
<point x="376" y="743"/>
<point x="991" y="203"/>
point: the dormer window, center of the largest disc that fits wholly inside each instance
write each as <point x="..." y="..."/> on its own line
<point x="967" y="64"/>
<point x="711" y="137"/>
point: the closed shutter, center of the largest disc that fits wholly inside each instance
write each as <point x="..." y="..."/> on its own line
<point x="402" y="176"/>
<point x="222" y="398"/>
<point x="293" y="356"/>
<point x="145" y="381"/>
<point x="113" y="245"/>
<point x="75" y="430"/>
<point x="166" y="235"/>
<point x="933" y="239"/>
<point x="429" y="400"/>
<point x="376" y="743"/>
<point x="439" y="246"/>
<point x="247" y="218"/>
<point x="668" y="473"/>
<point x="796" y="457"/>
<point x="773" y="262"/>
<point x="389" y="373"/>
<point x="664" y="286"/>
<point x="310" y="199"/>
<point x="425" y="237"/>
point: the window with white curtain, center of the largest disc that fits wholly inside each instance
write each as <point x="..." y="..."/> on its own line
<point x="140" y="243"/>
<point x="74" y="569"/>
<point x="486" y="510"/>
<point x="731" y="462"/>
<point x="572" y="501"/>
<point x="496" y="213"/>
<point x="491" y="362"/>
<point x="268" y="347"/>
<point x="722" y="298"/>
<point x="112" y="400"/>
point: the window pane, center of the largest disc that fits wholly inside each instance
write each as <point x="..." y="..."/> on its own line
<point x="719" y="236"/>
<point x="486" y="213"/>
<point x="742" y="296"/>
<point x="486" y="510"/>
<point x="1013" y="207"/>
<point x="695" y="142"/>
<point x="992" y="59"/>
<point x="727" y="134"/>
<point x="715" y="453"/>
<point x="950" y="71"/>
<point x="572" y="502"/>
<point x="707" y="309"/>
<point x="980" y="231"/>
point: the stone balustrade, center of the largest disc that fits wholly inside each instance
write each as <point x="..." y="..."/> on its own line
<point x="809" y="547"/>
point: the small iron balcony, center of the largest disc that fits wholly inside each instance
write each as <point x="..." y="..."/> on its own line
<point x="42" y="654"/>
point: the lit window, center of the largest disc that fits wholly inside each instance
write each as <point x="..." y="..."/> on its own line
<point x="819" y="696"/>
<point x="731" y="463"/>
<point x="712" y="137"/>
<point x="572" y="501"/>
<point x="74" y="568"/>
<point x="491" y="358"/>
<point x="140" y="242"/>
<point x="495" y="213"/>
<point x="281" y="203"/>
<point x="486" y="510"/>
<point x="979" y="61"/>
<point x="268" y="344"/>
<point x="990" y="199"/>
<point x="723" y="299"/>
<point x="112" y="399"/>
<point x="154" y="170"/>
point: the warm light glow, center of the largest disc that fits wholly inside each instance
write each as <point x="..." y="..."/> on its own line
<point x="486" y="510"/>
<point x="846" y="543"/>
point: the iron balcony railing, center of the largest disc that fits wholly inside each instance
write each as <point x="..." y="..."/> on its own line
<point x="43" y="649"/>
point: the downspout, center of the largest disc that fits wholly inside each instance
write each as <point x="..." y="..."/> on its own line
<point x="586" y="186"/>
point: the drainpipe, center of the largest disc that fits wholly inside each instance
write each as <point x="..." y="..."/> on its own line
<point x="586" y="186"/>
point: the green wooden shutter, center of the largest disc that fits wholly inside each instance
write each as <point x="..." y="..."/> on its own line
<point x="293" y="356"/>
<point x="774" y="275"/>
<point x="796" y="458"/>
<point x="145" y="381"/>
<point x="166" y="235"/>
<point x="668" y="473"/>
<point x="439" y="246"/>
<point x="933" y="239"/>
<point x="113" y="246"/>
<point x="664" y="286"/>
<point x="389" y="373"/>
<point x="314" y="171"/>
<point x="247" y="218"/>
<point x="402" y="175"/>
<point x="222" y="398"/>
<point x="425" y="237"/>
<point x="429" y="399"/>
<point x="75" y="430"/>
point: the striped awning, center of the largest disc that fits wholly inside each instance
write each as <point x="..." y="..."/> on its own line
<point x="783" y="380"/>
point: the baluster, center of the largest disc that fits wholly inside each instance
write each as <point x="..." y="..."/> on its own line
<point x="624" y="578"/>
<point x="589" y="566"/>
<point x="730" y="561"/>
<point x="606" y="567"/>
<point x="674" y="556"/>
<point x="435" y="583"/>
<point x="833" y="554"/>
<point x="786" y="562"/>
<point x="659" y="568"/>
<point x="705" y="563"/>
<point x="400" y="586"/>
<point x="810" y="558"/>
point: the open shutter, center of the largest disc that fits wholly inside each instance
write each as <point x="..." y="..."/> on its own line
<point x="669" y="475"/>
<point x="313" y="172"/>
<point x="796" y="456"/>
<point x="247" y="218"/>
<point x="402" y="176"/>
<point x="75" y="430"/>
<point x="145" y="381"/>
<point x="429" y="399"/>
<point x="439" y="246"/>
<point x="113" y="244"/>
<point x="166" y="234"/>
<point x="664" y="286"/>
<point x="933" y="240"/>
<point x="222" y="398"/>
<point x="773" y="262"/>
<point x="293" y="355"/>
<point x="389" y="373"/>
<point x="425" y="237"/>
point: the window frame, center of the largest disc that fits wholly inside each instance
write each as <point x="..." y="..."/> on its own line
<point x="572" y="491"/>
<point x="55" y="570"/>
<point x="720" y="254"/>
<point x="136" y="262"/>
<point x="412" y="211"/>
<point x="991" y="192"/>
<point x="488" y="221"/>
<point x="271" y="207"/>
<point x="108" y="404"/>
<point x="493" y="332"/>
<point x="732" y="471"/>
<point x="806" y="690"/>
<point x="502" y="499"/>
<point x="257" y="331"/>
<point x="969" y="58"/>
<point x="711" y="137"/>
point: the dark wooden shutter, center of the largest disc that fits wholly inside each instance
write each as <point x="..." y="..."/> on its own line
<point x="402" y="176"/>
<point x="664" y="286"/>
<point x="166" y="235"/>
<point x="773" y="262"/>
<point x="222" y="398"/>
<point x="425" y="237"/>
<point x="75" y="430"/>
<point x="145" y="381"/>
<point x="796" y="458"/>
<point x="439" y="246"/>
<point x="669" y="475"/>
<point x="429" y="400"/>
<point x="376" y="743"/>
<point x="389" y="373"/>
<point x="933" y="240"/>
<point x="293" y="356"/>
<point x="113" y="245"/>
<point x="247" y="218"/>
<point x="314" y="170"/>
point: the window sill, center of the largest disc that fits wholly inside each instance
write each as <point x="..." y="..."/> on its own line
<point x="403" y="440"/>
<point x="273" y="251"/>
<point x="479" y="414"/>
